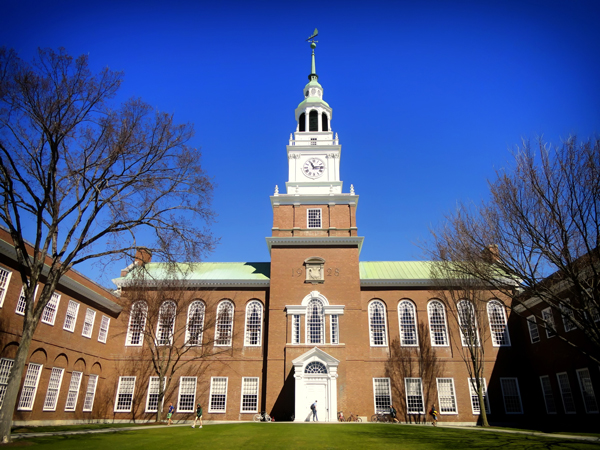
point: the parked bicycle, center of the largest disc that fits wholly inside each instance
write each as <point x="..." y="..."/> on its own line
<point x="262" y="417"/>
<point x="380" y="417"/>
<point x="341" y="416"/>
<point x="353" y="418"/>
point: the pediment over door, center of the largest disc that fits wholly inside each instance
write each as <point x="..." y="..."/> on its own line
<point x="316" y="354"/>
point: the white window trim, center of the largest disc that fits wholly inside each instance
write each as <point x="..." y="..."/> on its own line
<point x="463" y="338"/>
<point x="437" y="381"/>
<point x="389" y="386"/>
<point x="134" y="313"/>
<point x="334" y="329"/>
<point x="231" y="323"/>
<point x="187" y="324"/>
<point x="54" y="303"/>
<point x="160" y="342"/>
<point x="502" y="379"/>
<point x="5" y="374"/>
<point x="85" y="322"/>
<point x="73" y="392"/>
<point x="90" y="393"/>
<point x="103" y="329"/>
<point x="567" y="315"/>
<point x="406" y="380"/>
<point x="244" y="381"/>
<point x="307" y="333"/>
<point x="431" y="334"/>
<point x="34" y="387"/>
<point x="22" y="294"/>
<point x="296" y="329"/>
<point x="385" y="327"/>
<point x="150" y="380"/>
<point x="549" y="326"/>
<point x="51" y="390"/>
<point x="414" y="316"/>
<point x="506" y="332"/>
<point x="72" y="328"/>
<point x="181" y="379"/>
<point x="532" y="325"/>
<point x="4" y="288"/>
<point x="579" y="372"/>
<point x="473" y="393"/>
<point x="246" y="334"/>
<point x="563" y="393"/>
<point x="217" y="411"/>
<point x="119" y="392"/>
<point x="548" y="394"/>
<point x="320" y="218"/>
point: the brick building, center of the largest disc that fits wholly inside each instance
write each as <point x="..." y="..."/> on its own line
<point x="314" y="323"/>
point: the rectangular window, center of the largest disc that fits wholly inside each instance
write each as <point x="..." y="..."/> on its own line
<point x="125" y="394"/>
<point x="587" y="391"/>
<point x="30" y="385"/>
<point x="90" y="393"/>
<point x="21" y="303"/>
<point x="534" y="333"/>
<point x="549" y="322"/>
<point x="383" y="394"/>
<point x="53" y="389"/>
<point x="71" y="316"/>
<point x="187" y="394"/>
<point x="414" y="396"/>
<point x="218" y="395"/>
<point x="153" y="394"/>
<point x="547" y="393"/>
<point x="566" y="393"/>
<point x="5" y="366"/>
<point x="314" y="218"/>
<point x="73" y="391"/>
<point x="103" y="333"/>
<point x="511" y="396"/>
<point x="4" y="280"/>
<point x="567" y="315"/>
<point x="296" y="329"/>
<point x="446" y="396"/>
<point x="475" y="405"/>
<point x="49" y="314"/>
<point x="335" y="333"/>
<point x="249" y="395"/>
<point x="88" y="324"/>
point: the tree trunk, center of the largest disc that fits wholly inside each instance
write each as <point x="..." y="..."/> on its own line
<point x="482" y="409"/>
<point x="14" y="382"/>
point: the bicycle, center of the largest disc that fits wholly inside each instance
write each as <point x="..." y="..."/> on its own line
<point x="380" y="417"/>
<point x="341" y="416"/>
<point x="262" y="417"/>
<point x="353" y="418"/>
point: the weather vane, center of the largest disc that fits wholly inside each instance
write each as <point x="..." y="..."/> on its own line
<point x="312" y="38"/>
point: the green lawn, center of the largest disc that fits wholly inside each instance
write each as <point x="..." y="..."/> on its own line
<point x="314" y="436"/>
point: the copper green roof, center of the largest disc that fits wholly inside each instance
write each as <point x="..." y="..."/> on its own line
<point x="395" y="272"/>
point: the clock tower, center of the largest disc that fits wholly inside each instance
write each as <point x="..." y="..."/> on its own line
<point x="315" y="307"/>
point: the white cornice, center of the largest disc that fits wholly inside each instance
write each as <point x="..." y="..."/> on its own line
<point x="314" y="199"/>
<point x="206" y="283"/>
<point x="356" y="241"/>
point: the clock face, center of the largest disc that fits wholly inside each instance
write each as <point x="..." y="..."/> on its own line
<point x="313" y="168"/>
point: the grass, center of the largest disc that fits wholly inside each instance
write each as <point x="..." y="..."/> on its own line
<point x="317" y="436"/>
<point x="86" y="426"/>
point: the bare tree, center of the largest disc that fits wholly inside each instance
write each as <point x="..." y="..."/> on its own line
<point x="176" y="328"/>
<point x="83" y="180"/>
<point x="538" y="235"/>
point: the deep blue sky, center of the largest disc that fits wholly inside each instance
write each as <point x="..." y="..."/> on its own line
<point x="428" y="97"/>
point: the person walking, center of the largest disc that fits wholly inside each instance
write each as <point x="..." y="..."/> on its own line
<point x="434" y="415"/>
<point x="198" y="416"/>
<point x="313" y="408"/>
<point x="393" y="413"/>
<point x="170" y="413"/>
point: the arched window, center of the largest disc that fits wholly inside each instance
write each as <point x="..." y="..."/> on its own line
<point x="325" y="121"/>
<point x="253" y="323"/>
<point x="315" y="367"/>
<point x="137" y="323"/>
<point x="438" y="327"/>
<point x="408" y="324"/>
<point x="377" y="323"/>
<point x="195" y="323"/>
<point x="315" y="323"/>
<point x="224" y="327"/>
<point x="302" y="122"/>
<point x="467" y="321"/>
<point x="166" y="323"/>
<point x="313" y="121"/>
<point x="498" y="328"/>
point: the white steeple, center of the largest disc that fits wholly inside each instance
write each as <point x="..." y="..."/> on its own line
<point x="313" y="152"/>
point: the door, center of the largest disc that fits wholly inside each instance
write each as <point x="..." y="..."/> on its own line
<point x="318" y="392"/>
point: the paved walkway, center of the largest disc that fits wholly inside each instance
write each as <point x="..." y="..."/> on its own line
<point x="147" y="427"/>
